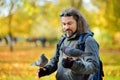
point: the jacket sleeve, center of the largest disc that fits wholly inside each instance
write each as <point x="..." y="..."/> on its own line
<point x="52" y="64"/>
<point x="87" y="64"/>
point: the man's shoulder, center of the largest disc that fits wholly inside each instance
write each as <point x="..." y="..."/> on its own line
<point x="91" y="40"/>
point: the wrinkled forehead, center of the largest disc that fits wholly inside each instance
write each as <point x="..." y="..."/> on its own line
<point x="67" y="20"/>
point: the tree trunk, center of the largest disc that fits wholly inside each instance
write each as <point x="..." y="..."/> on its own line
<point x="9" y="25"/>
<point x="76" y="3"/>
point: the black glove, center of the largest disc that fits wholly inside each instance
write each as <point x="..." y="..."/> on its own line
<point x="67" y="62"/>
<point x="43" y="71"/>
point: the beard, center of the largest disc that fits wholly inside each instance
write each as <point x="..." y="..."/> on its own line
<point x="69" y="32"/>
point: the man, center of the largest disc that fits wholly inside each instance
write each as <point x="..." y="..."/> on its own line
<point x="68" y="67"/>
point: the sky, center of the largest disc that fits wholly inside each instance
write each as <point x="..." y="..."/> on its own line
<point x="89" y="6"/>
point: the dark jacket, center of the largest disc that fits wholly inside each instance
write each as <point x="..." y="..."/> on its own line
<point x="76" y="72"/>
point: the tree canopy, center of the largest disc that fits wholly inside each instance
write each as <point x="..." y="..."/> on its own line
<point x="36" y="18"/>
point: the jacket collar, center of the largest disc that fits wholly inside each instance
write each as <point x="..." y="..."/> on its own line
<point x="75" y="35"/>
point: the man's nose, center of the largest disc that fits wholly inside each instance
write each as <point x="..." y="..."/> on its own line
<point x="67" y="27"/>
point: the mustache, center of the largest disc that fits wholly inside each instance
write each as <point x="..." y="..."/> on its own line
<point x="68" y="30"/>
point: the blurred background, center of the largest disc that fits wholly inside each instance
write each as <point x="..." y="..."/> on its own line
<point x="31" y="27"/>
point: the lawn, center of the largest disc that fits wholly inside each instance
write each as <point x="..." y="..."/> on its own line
<point x="16" y="65"/>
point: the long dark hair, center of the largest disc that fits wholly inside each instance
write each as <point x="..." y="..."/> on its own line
<point x="82" y="25"/>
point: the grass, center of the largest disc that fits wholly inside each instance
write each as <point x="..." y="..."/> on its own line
<point x="111" y="61"/>
<point x="16" y="65"/>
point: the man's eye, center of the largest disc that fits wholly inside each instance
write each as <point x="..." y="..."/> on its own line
<point x="63" y="24"/>
<point x="69" y="23"/>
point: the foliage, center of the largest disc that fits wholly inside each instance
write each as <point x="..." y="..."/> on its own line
<point x="110" y="11"/>
<point x="107" y="20"/>
<point x="33" y="20"/>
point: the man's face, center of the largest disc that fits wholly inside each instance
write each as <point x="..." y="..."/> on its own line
<point x="69" y="24"/>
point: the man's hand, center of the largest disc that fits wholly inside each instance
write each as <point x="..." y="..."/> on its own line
<point x="67" y="62"/>
<point x="42" y="72"/>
